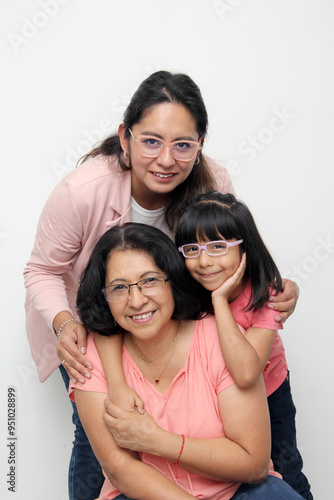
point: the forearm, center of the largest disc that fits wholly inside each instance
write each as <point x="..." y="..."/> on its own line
<point x="144" y="482"/>
<point x="110" y="352"/>
<point x="60" y="319"/>
<point x="241" y="358"/>
<point x="218" y="459"/>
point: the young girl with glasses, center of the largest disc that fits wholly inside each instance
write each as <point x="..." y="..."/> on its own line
<point x="225" y="253"/>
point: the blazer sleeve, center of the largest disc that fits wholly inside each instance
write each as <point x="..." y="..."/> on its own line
<point x="58" y="240"/>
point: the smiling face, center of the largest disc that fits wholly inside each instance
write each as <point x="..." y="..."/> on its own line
<point x="212" y="271"/>
<point x="147" y="318"/>
<point x="154" y="178"/>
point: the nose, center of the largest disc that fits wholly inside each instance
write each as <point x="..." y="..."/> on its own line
<point x="166" y="158"/>
<point x="136" y="297"/>
<point x="205" y="259"/>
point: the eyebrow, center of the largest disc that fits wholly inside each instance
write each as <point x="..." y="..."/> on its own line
<point x="142" y="276"/>
<point x="181" y="138"/>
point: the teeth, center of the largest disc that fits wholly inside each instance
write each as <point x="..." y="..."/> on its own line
<point x="142" y="316"/>
<point x="163" y="176"/>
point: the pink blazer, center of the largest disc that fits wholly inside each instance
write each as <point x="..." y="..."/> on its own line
<point x="87" y="202"/>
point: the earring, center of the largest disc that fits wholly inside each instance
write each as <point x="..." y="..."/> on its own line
<point x="197" y="161"/>
<point x="125" y="154"/>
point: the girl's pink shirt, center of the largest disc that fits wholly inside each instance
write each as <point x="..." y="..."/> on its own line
<point x="276" y="370"/>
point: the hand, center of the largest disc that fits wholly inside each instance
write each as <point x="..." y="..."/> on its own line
<point x="125" y="397"/>
<point x="228" y="287"/>
<point x="286" y="301"/>
<point x="70" y="349"/>
<point x="130" y="429"/>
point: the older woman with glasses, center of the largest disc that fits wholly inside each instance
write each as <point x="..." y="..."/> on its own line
<point x="200" y="436"/>
<point x="145" y="173"/>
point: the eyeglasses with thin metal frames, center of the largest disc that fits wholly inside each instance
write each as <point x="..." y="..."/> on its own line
<point x="165" y="145"/>
<point x="225" y="246"/>
<point x="121" y="291"/>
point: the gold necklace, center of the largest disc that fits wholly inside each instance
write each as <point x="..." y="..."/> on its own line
<point x="148" y="361"/>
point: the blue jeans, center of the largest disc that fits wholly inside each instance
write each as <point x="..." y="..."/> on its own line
<point x="85" y="477"/>
<point x="284" y="452"/>
<point x="272" y="488"/>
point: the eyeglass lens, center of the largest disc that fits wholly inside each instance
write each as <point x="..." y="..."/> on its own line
<point x="148" y="286"/>
<point x="182" y="150"/>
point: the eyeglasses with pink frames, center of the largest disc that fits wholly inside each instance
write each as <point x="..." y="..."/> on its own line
<point x="151" y="147"/>
<point x="212" y="248"/>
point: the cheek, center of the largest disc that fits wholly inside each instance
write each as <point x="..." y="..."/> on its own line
<point x="190" y="265"/>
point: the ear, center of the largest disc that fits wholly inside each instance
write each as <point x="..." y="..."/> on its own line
<point x="122" y="139"/>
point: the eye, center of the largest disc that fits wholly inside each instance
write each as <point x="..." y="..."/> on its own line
<point x="151" y="143"/>
<point x="183" y="146"/>
<point x="191" y="249"/>
<point x="118" y="288"/>
<point x="150" y="281"/>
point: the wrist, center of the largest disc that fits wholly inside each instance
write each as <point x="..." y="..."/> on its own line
<point x="60" y="318"/>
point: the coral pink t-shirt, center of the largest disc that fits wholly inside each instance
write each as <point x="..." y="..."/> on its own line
<point x="276" y="370"/>
<point x="189" y="406"/>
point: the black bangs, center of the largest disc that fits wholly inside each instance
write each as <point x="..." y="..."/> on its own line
<point x="207" y="220"/>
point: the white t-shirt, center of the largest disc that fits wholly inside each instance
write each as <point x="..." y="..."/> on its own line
<point x="154" y="218"/>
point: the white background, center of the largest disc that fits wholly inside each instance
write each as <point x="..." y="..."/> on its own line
<point x="68" y="70"/>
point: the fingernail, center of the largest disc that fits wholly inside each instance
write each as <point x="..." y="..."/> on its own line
<point x="81" y="380"/>
<point x="73" y="381"/>
<point x="89" y="366"/>
<point x="271" y="306"/>
<point x="83" y="350"/>
<point x="88" y="375"/>
<point x="278" y="319"/>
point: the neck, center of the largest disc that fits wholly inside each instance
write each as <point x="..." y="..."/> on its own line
<point x="152" y="349"/>
<point x="146" y="198"/>
<point x="238" y="291"/>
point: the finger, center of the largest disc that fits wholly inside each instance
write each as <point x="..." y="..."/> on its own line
<point x="81" y="339"/>
<point x="68" y="349"/>
<point x="74" y="375"/>
<point x="75" y="370"/>
<point x="282" y="317"/>
<point x="139" y="405"/>
<point x="111" y="408"/>
<point x="288" y="306"/>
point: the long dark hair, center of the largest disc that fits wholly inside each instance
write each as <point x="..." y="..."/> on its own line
<point x="93" y="308"/>
<point x="161" y="87"/>
<point x="212" y="216"/>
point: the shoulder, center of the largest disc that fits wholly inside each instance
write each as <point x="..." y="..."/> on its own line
<point x="261" y="318"/>
<point x="208" y="352"/>
<point x="100" y="176"/>
<point x="207" y="341"/>
<point x="93" y="170"/>
<point x="221" y="176"/>
<point x="97" y="382"/>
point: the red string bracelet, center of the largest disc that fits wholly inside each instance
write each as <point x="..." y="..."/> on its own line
<point x="177" y="461"/>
